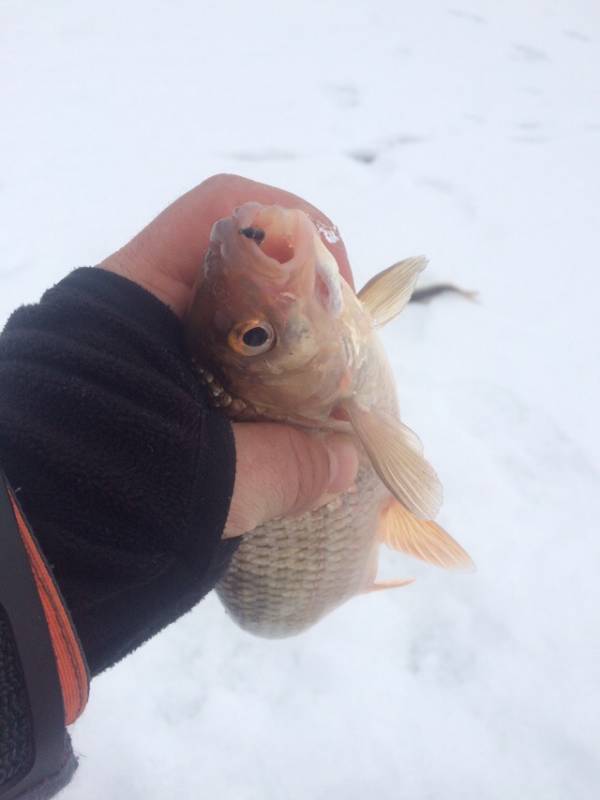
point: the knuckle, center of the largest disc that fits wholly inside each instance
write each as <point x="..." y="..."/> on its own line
<point x="310" y="470"/>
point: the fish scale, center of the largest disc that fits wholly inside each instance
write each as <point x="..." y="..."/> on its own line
<point x="289" y="573"/>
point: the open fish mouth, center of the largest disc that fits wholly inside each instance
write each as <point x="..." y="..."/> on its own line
<point x="277" y="244"/>
<point x="286" y="237"/>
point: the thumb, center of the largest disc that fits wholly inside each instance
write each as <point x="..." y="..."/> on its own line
<point x="282" y="471"/>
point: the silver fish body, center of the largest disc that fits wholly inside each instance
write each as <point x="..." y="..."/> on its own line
<point x="289" y="573"/>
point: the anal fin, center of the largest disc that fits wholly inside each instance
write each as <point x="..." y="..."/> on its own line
<point x="423" y="539"/>
<point x="381" y="586"/>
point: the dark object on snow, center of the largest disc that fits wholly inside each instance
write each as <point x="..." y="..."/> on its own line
<point x="427" y="293"/>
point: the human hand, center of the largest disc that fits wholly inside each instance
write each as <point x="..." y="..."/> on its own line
<point x="280" y="470"/>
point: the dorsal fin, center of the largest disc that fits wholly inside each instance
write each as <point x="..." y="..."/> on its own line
<point x="385" y="295"/>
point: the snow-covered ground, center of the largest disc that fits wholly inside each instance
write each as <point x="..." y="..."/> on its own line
<point x="466" y="130"/>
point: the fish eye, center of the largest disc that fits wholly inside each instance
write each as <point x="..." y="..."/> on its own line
<point x="252" y="338"/>
<point x="255" y="337"/>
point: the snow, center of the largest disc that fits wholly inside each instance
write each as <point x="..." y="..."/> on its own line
<point x="469" y="131"/>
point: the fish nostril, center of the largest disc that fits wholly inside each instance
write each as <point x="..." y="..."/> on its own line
<point x="322" y="292"/>
<point x="256" y="234"/>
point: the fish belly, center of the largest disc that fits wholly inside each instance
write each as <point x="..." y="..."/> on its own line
<point x="289" y="573"/>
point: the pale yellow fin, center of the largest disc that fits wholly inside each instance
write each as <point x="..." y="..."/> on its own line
<point x="394" y="452"/>
<point x="385" y="295"/>
<point x="422" y="539"/>
<point x="381" y="586"/>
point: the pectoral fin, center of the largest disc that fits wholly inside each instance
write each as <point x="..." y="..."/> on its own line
<point x="385" y="295"/>
<point x="395" y="453"/>
<point x="422" y="539"/>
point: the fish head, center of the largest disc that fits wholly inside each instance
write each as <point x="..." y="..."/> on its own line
<point x="268" y="314"/>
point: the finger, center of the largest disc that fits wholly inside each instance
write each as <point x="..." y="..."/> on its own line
<point x="165" y="257"/>
<point x="282" y="471"/>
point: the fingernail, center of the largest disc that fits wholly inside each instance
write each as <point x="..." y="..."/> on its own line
<point x="343" y="463"/>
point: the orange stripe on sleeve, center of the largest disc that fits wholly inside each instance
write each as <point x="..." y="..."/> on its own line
<point x="70" y="661"/>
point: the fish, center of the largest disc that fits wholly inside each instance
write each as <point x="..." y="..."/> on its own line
<point x="277" y="334"/>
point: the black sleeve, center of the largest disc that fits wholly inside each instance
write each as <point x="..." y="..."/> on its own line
<point x="124" y="471"/>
